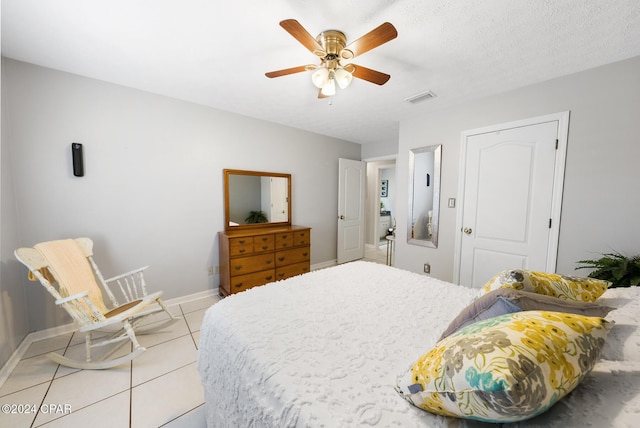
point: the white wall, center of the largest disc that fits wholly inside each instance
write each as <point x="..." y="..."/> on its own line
<point x="152" y="191"/>
<point x="13" y="316"/>
<point x="601" y="203"/>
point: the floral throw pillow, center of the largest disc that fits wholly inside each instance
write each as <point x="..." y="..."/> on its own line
<point x="579" y="288"/>
<point x="507" y="368"/>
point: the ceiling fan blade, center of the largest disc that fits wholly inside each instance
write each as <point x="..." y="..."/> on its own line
<point x="374" y="38"/>
<point x="294" y="28"/>
<point x="287" y="71"/>
<point x="369" y="75"/>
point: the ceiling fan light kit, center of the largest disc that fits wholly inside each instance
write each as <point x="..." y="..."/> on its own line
<point x="331" y="47"/>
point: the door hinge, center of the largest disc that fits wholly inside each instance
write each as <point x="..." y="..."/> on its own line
<point x="556" y="144"/>
<point x="549" y="223"/>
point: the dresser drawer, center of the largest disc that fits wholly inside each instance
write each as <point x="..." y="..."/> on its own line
<point x="302" y="237"/>
<point x="284" y="240"/>
<point x="263" y="243"/>
<point x="285" y="272"/>
<point x="245" y="240"/>
<point x="244" y="282"/>
<point x="243" y="265"/>
<point x="240" y="246"/>
<point x="295" y="255"/>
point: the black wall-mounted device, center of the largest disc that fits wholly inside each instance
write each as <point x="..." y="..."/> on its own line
<point x="78" y="159"/>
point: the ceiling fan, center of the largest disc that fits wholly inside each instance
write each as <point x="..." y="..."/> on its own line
<point x="331" y="47"/>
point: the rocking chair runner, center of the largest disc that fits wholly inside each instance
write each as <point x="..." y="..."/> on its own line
<point x="69" y="264"/>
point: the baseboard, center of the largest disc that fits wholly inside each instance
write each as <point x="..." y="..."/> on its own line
<point x="190" y="297"/>
<point x="15" y="358"/>
<point x="324" y="265"/>
<point x="36" y="336"/>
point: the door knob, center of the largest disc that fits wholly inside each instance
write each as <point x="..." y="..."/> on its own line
<point x="467" y="230"/>
<point x="341" y="217"/>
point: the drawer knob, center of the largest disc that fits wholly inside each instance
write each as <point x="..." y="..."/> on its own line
<point x="305" y="254"/>
<point x="284" y="244"/>
<point x="268" y="262"/>
<point x="280" y="259"/>
<point x="264" y="247"/>
<point x="280" y="275"/>
<point x="242" y="251"/>
<point x="269" y="278"/>
<point x="242" y="241"/>
<point x="284" y="236"/>
<point x="238" y="267"/>
<point x="238" y="285"/>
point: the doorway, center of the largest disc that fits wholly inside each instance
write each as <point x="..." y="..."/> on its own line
<point x="511" y="179"/>
<point x="381" y="202"/>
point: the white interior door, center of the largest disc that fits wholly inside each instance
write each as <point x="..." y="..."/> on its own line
<point x="510" y="203"/>
<point x="351" y="194"/>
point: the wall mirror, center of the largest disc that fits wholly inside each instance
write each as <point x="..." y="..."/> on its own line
<point x="256" y="199"/>
<point x="424" y="195"/>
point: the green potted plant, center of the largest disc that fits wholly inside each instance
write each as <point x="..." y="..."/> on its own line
<point x="621" y="270"/>
<point x="256" y="217"/>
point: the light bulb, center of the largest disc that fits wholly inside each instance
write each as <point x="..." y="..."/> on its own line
<point x="329" y="88"/>
<point x="343" y="77"/>
<point x="320" y="77"/>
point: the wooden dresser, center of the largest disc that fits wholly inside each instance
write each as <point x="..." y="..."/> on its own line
<point x="251" y="257"/>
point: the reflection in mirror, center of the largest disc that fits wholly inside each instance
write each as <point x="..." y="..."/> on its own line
<point x="424" y="195"/>
<point x="254" y="199"/>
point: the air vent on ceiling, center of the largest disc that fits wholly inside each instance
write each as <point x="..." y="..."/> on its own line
<point x="420" y="97"/>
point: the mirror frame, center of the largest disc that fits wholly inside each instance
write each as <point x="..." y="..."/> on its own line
<point x="227" y="173"/>
<point x="437" y="159"/>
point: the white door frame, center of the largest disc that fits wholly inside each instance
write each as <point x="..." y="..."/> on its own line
<point x="558" y="183"/>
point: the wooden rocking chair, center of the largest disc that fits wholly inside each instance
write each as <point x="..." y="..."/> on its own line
<point x="69" y="264"/>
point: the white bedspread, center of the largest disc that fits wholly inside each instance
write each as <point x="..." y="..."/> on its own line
<point x="324" y="350"/>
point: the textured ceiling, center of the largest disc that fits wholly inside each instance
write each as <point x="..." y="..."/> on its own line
<point x="216" y="52"/>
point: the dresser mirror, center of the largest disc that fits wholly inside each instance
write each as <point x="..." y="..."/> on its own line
<point x="424" y="196"/>
<point x="256" y="199"/>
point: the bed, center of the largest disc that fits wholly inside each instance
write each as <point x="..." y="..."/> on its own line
<point x="325" y="349"/>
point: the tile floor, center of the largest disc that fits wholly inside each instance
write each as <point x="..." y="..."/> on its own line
<point x="160" y="388"/>
<point x="376" y="254"/>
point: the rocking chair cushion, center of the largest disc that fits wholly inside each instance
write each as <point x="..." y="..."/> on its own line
<point x="69" y="265"/>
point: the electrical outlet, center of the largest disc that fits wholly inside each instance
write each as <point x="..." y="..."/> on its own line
<point x="210" y="270"/>
<point x="427" y="268"/>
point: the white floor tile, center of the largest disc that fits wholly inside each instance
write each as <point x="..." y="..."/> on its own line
<point x="160" y="359"/>
<point x="196" y="418"/>
<point x="30" y="396"/>
<point x="29" y="372"/>
<point x="161" y="316"/>
<point x="40" y="347"/>
<point x="203" y="303"/>
<point x="112" y="412"/>
<point x="79" y="352"/>
<point x="196" y="338"/>
<point x="84" y="388"/>
<point x="194" y="319"/>
<point x="175" y="330"/>
<point x="181" y="392"/>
